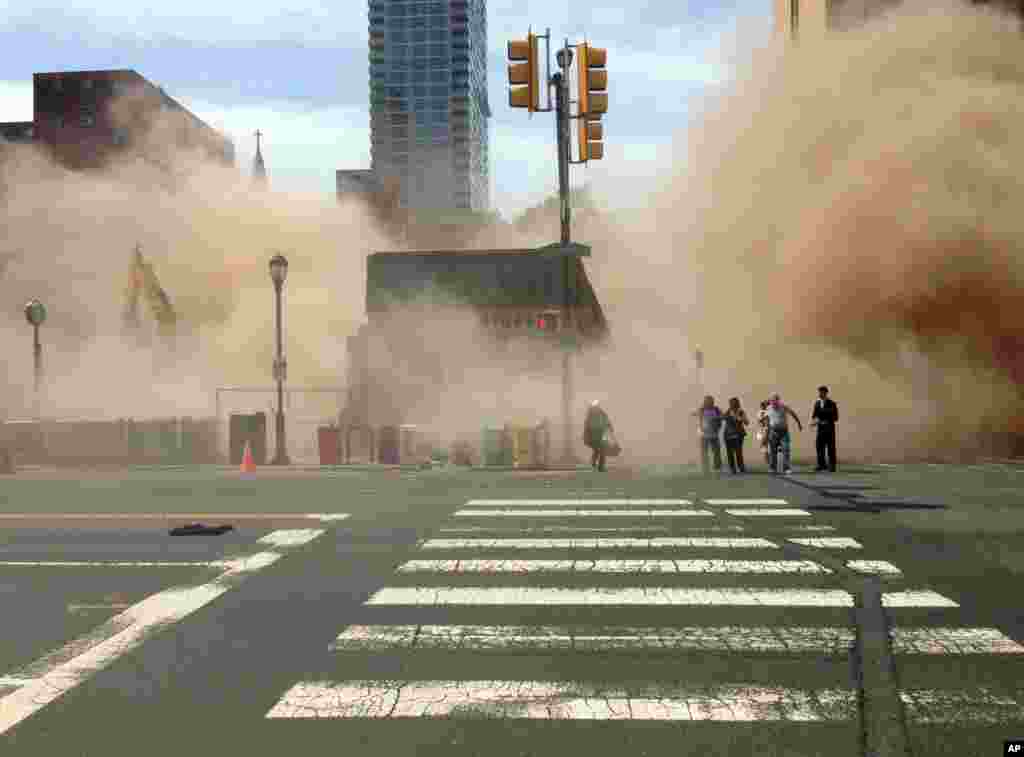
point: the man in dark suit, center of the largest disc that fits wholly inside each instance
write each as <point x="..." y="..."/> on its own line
<point x="825" y="416"/>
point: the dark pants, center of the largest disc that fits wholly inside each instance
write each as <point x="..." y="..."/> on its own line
<point x="734" y="453"/>
<point x="715" y="448"/>
<point x="826" y="443"/>
<point x="597" y="459"/>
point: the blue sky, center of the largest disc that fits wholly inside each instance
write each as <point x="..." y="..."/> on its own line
<point x="299" y="73"/>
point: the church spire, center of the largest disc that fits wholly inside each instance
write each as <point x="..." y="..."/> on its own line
<point x="259" y="170"/>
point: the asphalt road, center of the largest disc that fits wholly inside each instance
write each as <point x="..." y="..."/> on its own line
<point x="500" y="613"/>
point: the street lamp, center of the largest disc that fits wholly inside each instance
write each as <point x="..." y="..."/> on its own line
<point x="278" y="272"/>
<point x="35" y="314"/>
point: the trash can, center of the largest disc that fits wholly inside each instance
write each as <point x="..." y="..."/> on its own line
<point x="494" y="449"/>
<point x="329" y="442"/>
<point x="389" y="445"/>
<point x="540" y="445"/>
<point x="522" y="453"/>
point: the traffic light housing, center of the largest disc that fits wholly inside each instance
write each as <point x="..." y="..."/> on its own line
<point x="593" y="101"/>
<point x="524" y="89"/>
<point x="593" y="79"/>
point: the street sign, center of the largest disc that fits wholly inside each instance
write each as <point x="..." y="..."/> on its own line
<point x="35" y="312"/>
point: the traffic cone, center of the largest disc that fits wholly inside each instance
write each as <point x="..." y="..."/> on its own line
<point x="248" y="465"/>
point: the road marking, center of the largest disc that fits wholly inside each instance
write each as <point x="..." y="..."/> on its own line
<point x="14" y="681"/>
<point x="611" y="566"/>
<point x="578" y="513"/>
<point x="813" y="528"/>
<point x="874" y="567"/>
<point x="825" y="640"/>
<point x="746" y="501"/>
<point x="550" y="700"/>
<point x="972" y="706"/>
<point x="953" y="641"/>
<point x="291" y="537"/>
<point x="81" y="608"/>
<point x="602" y="596"/>
<point x="829" y="542"/>
<point x="585" y="529"/>
<point x="780" y="512"/>
<point x="109" y="564"/>
<point x="327" y="517"/>
<point x="131" y="628"/>
<point x="667" y="542"/>
<point x="916" y="599"/>
<point x="583" y="502"/>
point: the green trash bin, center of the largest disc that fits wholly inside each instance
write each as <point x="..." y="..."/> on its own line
<point x="493" y="450"/>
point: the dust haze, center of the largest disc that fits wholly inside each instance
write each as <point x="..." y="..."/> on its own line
<point x="844" y="212"/>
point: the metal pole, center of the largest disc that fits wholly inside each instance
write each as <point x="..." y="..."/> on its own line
<point x="562" y="120"/>
<point x="37" y="357"/>
<point x="281" y="457"/>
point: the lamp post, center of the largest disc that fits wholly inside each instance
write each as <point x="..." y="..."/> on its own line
<point x="35" y="314"/>
<point x="278" y="272"/>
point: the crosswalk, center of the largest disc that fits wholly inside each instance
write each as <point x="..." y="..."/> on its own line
<point x="693" y="610"/>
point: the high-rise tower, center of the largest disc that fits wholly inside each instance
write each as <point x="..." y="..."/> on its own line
<point x="259" y="170"/>
<point x="428" y="101"/>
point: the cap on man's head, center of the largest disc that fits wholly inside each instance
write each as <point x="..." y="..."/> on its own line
<point x="823" y="389"/>
<point x="775" y="397"/>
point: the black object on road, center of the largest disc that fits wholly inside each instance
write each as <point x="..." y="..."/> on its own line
<point x="200" y="529"/>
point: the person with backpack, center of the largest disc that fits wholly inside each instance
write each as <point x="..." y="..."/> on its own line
<point x="595" y="427"/>
<point x="710" y="425"/>
<point x="778" y="429"/>
<point x="736" y="423"/>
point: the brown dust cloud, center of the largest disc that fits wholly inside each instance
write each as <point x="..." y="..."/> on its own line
<point x="843" y="211"/>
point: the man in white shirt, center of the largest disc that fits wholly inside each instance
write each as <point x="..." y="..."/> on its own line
<point x="778" y="428"/>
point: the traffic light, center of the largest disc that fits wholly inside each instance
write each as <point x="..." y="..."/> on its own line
<point x="593" y="101"/>
<point x="591" y="132"/>
<point x="524" y="73"/>
<point x="593" y="79"/>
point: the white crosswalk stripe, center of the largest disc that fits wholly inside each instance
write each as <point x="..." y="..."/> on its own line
<point x="595" y="585"/>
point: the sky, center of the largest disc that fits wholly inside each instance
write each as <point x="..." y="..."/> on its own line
<point x="300" y="75"/>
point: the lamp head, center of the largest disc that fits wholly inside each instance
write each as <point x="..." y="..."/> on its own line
<point x="278" y="269"/>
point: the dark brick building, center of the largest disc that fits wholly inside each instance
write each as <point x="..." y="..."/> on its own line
<point x="84" y="118"/>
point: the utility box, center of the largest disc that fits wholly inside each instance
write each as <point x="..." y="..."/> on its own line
<point x="248" y="428"/>
<point x="329" y="443"/>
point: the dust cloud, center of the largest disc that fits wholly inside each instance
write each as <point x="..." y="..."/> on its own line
<point x="843" y="211"/>
<point x="208" y="233"/>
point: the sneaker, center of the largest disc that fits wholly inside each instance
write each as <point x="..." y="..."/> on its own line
<point x="788" y="471"/>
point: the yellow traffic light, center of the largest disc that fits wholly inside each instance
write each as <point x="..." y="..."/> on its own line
<point x="591" y="132"/>
<point x="593" y="79"/>
<point x="524" y="73"/>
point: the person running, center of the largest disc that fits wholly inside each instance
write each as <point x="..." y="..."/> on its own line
<point x="736" y="423"/>
<point x="710" y="426"/>
<point x="778" y="428"/>
<point x="595" y="427"/>
<point x="825" y="415"/>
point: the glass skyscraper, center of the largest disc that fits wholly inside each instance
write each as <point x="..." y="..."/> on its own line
<point x="428" y="101"/>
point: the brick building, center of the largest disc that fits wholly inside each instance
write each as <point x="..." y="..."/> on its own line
<point x="84" y="118"/>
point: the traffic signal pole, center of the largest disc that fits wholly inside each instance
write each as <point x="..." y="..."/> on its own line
<point x="561" y="84"/>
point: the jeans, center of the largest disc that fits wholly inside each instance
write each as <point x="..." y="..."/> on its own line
<point x="734" y="453"/>
<point x="779" y="441"/>
<point x="715" y="447"/>
<point x="826" y="443"/>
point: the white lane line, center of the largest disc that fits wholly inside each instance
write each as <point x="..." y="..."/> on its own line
<point x="587" y="530"/>
<point x="813" y="528"/>
<point x="577" y="502"/>
<point x="114" y="606"/>
<point x="971" y="706"/>
<point x="953" y="641"/>
<point x="779" y="512"/>
<point x="829" y="542"/>
<point x="600" y="596"/>
<point x="14" y="681"/>
<point x="523" y="567"/>
<point x="874" y="567"/>
<point x="746" y="501"/>
<point x="667" y="542"/>
<point x="140" y="621"/>
<point x="551" y="700"/>
<point x="916" y="599"/>
<point x="578" y="513"/>
<point x="108" y="564"/>
<point x="825" y="640"/>
<point x="228" y="517"/>
<point x="291" y="537"/>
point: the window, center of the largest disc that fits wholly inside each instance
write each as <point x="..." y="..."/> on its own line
<point x="86" y="119"/>
<point x="120" y="136"/>
<point x="58" y="122"/>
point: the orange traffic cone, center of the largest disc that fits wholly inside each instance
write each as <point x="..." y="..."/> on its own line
<point x="248" y="464"/>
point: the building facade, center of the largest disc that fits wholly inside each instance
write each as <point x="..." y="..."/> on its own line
<point x="428" y="101"/>
<point x="359" y="182"/>
<point x="796" y="18"/>
<point x="84" y="118"/>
